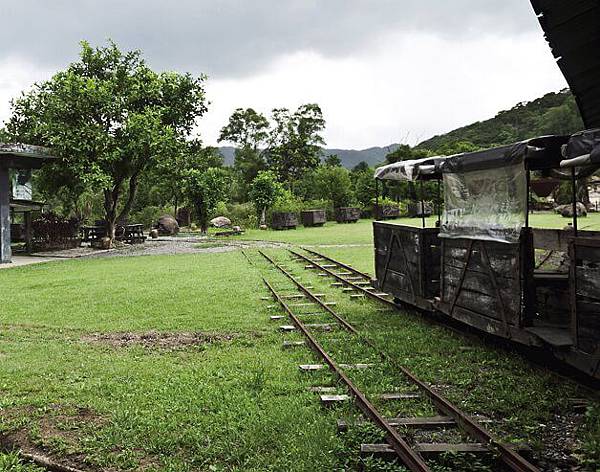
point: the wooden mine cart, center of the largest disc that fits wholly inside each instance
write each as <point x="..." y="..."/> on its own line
<point x="347" y="214"/>
<point x="284" y="220"/>
<point x="314" y="218"/>
<point x="407" y="258"/>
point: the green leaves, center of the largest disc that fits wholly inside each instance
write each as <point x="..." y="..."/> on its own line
<point x="110" y="118"/>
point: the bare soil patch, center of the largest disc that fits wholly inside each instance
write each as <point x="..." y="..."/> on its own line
<point x="58" y="427"/>
<point x="156" y="340"/>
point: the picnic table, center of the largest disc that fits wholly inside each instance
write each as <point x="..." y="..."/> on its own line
<point x="131" y="234"/>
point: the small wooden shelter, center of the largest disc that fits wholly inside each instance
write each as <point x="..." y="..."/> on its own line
<point x="14" y="156"/>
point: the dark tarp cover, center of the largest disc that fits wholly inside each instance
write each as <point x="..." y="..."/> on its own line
<point x="539" y="153"/>
<point x="572" y="29"/>
<point x="584" y="142"/>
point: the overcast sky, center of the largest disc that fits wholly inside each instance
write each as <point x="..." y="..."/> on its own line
<point x="382" y="70"/>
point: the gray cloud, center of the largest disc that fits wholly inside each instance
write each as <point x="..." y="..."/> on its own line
<point x="233" y="38"/>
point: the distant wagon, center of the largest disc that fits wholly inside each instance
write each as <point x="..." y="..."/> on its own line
<point x="284" y="220"/>
<point x="347" y="214"/>
<point x="314" y="218"/>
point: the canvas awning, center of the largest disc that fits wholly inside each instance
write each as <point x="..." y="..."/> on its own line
<point x="583" y="149"/>
<point x="416" y="169"/>
<point x="540" y="153"/>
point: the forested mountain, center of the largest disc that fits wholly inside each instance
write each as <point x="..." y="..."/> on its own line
<point x="349" y="157"/>
<point x="554" y="113"/>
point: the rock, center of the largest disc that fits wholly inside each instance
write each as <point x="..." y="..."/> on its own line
<point x="154" y="234"/>
<point x="263" y="227"/>
<point x="167" y="226"/>
<point x="567" y="210"/>
<point x="236" y="228"/>
<point x="220" y="222"/>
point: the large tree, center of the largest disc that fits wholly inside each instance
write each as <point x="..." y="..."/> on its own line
<point x="248" y="131"/>
<point x="168" y="176"/>
<point x="205" y="189"/>
<point x="263" y="192"/>
<point x="295" y="141"/>
<point x="109" y="118"/>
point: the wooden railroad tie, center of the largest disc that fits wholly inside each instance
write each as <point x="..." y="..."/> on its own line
<point x="329" y="399"/>
<point x="322" y="389"/>
<point x="419" y="422"/>
<point x="291" y="344"/>
<point x="320" y="326"/>
<point x="312" y="367"/>
<point x="386" y="451"/>
<point x="311" y="304"/>
<point x="287" y="328"/>
<point x="277" y="317"/>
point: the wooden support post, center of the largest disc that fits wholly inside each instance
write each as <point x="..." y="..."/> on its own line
<point x="528" y="202"/>
<point x="5" y="251"/>
<point x="28" y="232"/>
<point x="422" y="196"/>
<point x="574" y="192"/>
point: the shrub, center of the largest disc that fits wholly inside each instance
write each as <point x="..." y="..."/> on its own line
<point x="240" y="214"/>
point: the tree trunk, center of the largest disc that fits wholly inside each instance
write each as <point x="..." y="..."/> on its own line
<point x="263" y="217"/>
<point x="111" y="200"/>
<point x="133" y="185"/>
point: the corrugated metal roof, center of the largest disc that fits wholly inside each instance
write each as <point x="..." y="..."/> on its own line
<point x="23" y="156"/>
<point x="572" y="29"/>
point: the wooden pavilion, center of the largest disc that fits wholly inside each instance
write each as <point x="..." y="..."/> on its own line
<point x="15" y="156"/>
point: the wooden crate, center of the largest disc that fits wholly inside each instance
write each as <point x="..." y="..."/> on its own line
<point x="314" y="217"/>
<point x="284" y="220"/>
<point x="347" y="214"/>
<point x="407" y="263"/>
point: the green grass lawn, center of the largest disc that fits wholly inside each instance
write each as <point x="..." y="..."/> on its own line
<point x="235" y="400"/>
<point x="362" y="231"/>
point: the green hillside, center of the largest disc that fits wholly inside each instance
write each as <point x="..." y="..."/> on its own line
<point x="554" y="113"/>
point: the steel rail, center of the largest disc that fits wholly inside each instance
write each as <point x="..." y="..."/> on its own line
<point x="341" y="279"/>
<point x="311" y="297"/>
<point x="341" y="264"/>
<point x="509" y="456"/>
<point x="409" y="457"/>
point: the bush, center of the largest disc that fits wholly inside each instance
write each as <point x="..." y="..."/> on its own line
<point x="370" y="208"/>
<point x="240" y="214"/>
<point x="51" y="231"/>
<point x="287" y="202"/>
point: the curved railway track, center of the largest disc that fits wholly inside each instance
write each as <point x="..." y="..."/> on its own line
<point x="410" y="455"/>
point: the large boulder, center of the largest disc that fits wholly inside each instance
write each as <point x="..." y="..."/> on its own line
<point x="567" y="210"/>
<point x="220" y="222"/>
<point x="167" y="226"/>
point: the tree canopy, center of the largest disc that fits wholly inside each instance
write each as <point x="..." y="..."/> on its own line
<point x="109" y="118"/>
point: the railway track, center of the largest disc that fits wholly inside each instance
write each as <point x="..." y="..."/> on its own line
<point x="410" y="453"/>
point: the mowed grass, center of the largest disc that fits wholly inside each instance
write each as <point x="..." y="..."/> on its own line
<point x="231" y="404"/>
<point x="236" y="401"/>
<point x="361" y="232"/>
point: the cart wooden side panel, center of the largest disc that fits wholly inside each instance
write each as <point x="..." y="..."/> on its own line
<point x="407" y="262"/>
<point x="486" y="284"/>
